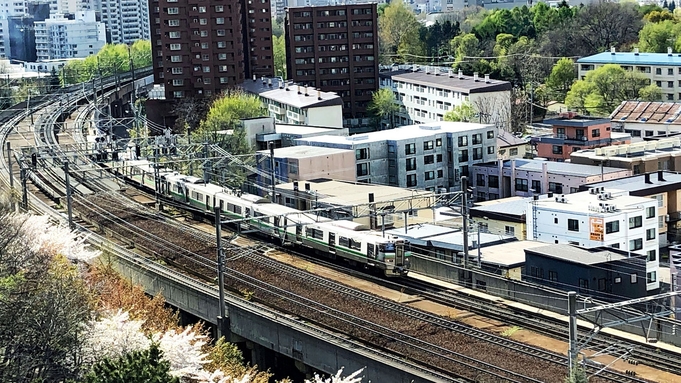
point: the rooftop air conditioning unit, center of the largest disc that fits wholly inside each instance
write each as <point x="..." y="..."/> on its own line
<point x="613" y="208"/>
<point x="666" y="218"/>
<point x="593" y="191"/>
<point x="608" y="195"/>
<point x="601" y="197"/>
<point x="558" y="199"/>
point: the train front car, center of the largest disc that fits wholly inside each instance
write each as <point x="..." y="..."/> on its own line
<point x="396" y="254"/>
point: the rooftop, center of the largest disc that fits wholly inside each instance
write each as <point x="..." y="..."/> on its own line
<point x="506" y="139"/>
<point x="508" y="254"/>
<point x="587" y="203"/>
<point x="554" y="167"/>
<point x="575" y="120"/>
<point x="634" y="151"/>
<point x="576" y="254"/>
<point x="303" y="152"/>
<point x="345" y="193"/>
<point x="648" y="112"/>
<point x="276" y="90"/>
<point x="303" y="130"/>
<point x="403" y="133"/>
<point x="631" y="58"/>
<point x="640" y="183"/>
<point x="511" y="209"/>
<point x="446" y="238"/>
<point x="447" y="79"/>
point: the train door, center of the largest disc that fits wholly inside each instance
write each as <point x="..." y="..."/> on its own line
<point x="222" y="205"/>
<point x="299" y="232"/>
<point x="332" y="242"/>
<point x="399" y="254"/>
<point x="207" y="202"/>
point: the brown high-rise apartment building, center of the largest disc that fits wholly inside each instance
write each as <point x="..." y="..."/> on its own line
<point x="202" y="47"/>
<point x="335" y="48"/>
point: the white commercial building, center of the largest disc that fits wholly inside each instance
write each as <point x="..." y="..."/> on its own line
<point x="429" y="156"/>
<point x="599" y="218"/>
<point x="294" y="104"/>
<point x="663" y="69"/>
<point x="426" y="94"/>
<point x="126" y="20"/>
<point x="60" y="38"/>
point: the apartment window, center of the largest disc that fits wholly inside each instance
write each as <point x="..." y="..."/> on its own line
<point x="493" y="181"/>
<point x="205" y="57"/>
<point x="440" y="173"/>
<point x="490" y="150"/>
<point x="635" y="222"/>
<point x="174" y="34"/>
<point x="463" y="155"/>
<point x="174" y="23"/>
<point x="477" y="139"/>
<point x="651" y="276"/>
<point x="612" y="227"/>
<point x="536" y="186"/>
<point x="513" y="151"/>
<point x="178" y="82"/>
<point x="220" y="20"/>
<point x="650" y="212"/>
<point x="224" y="80"/>
<point x="205" y="45"/>
<point x="557" y="149"/>
<point x="553" y="276"/>
<point x="670" y="84"/>
<point x="430" y="176"/>
<point x="427" y="160"/>
<point x="206" y="69"/>
<point x="178" y="94"/>
<point x="220" y="32"/>
<point x="583" y="284"/>
<point x="509" y="230"/>
<point x="480" y="179"/>
<point x="464" y="170"/>
<point x="438" y="142"/>
<point x="428" y="145"/>
<point x="173" y="11"/>
<point x="573" y="224"/>
<point x="439" y="158"/>
<point x="222" y="44"/>
<point x="520" y="184"/>
<point x="477" y="153"/>
<point x="650" y="234"/>
<point x="175" y="47"/>
<point x="176" y="70"/>
<point x="463" y="141"/>
<point x="204" y="33"/>
<point x="633" y="278"/>
<point x="411" y="180"/>
<point x="362" y="154"/>
<point x="595" y="133"/>
<point x="555" y="187"/>
<point x="651" y="255"/>
<point x="411" y="164"/>
<point x="207" y="80"/>
<point x="176" y="59"/>
<point x="490" y="134"/>
<point x="202" y="9"/>
<point x="219" y="8"/>
<point x="222" y="56"/>
<point x="410" y="149"/>
<point x="636" y="244"/>
<point x="362" y="169"/>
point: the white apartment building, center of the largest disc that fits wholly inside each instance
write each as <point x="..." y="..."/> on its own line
<point x="127" y="20"/>
<point x="599" y="218"/>
<point x="426" y="94"/>
<point x="430" y="156"/>
<point x="663" y="69"/>
<point x="8" y="8"/>
<point x="61" y="38"/>
<point x="294" y="104"/>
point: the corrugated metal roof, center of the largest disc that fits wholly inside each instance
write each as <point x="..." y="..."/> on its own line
<point x="648" y="112"/>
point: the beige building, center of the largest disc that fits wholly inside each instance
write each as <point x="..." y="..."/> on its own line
<point x="510" y="146"/>
<point x="502" y="216"/>
<point x="640" y="157"/>
<point x="342" y="199"/>
<point x="297" y="163"/>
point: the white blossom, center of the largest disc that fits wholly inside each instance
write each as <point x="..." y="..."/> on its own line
<point x="113" y="336"/>
<point x="183" y="350"/>
<point x="219" y="377"/>
<point x="353" y="378"/>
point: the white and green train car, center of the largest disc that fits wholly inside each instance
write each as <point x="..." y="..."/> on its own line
<point x="142" y="172"/>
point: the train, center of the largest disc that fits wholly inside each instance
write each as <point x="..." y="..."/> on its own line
<point x="333" y="239"/>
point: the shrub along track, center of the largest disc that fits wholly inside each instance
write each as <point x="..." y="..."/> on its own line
<point x="445" y="345"/>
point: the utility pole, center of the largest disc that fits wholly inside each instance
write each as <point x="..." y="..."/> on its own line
<point x="221" y="270"/>
<point x="406" y="222"/>
<point x="479" y="253"/>
<point x="11" y="178"/>
<point x="207" y="164"/>
<point x="157" y="181"/>
<point x="274" y="175"/>
<point x="531" y="103"/>
<point x="572" y="348"/>
<point x="464" y="215"/>
<point x="24" y="190"/>
<point x="68" y="194"/>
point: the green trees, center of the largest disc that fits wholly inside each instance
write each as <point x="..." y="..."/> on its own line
<point x="656" y="37"/>
<point x="145" y="366"/>
<point x="397" y="31"/>
<point x="111" y="59"/>
<point x="651" y="93"/>
<point x="226" y="111"/>
<point x="464" y="113"/>
<point x="561" y="78"/>
<point x="604" y="88"/>
<point x="383" y="106"/>
<point x="279" y="52"/>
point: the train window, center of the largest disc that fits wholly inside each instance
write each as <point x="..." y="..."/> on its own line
<point x="248" y="212"/>
<point x="276" y="221"/>
<point x="299" y="229"/>
<point x="309" y="232"/>
<point x="343" y="242"/>
<point x="222" y="205"/>
<point x="388" y="247"/>
<point x="370" y="251"/>
<point x="318" y="234"/>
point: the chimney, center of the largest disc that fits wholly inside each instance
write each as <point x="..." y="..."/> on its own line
<point x="647" y="178"/>
<point x="460" y="74"/>
<point x="475" y="76"/>
<point x="450" y="73"/>
<point x="487" y="78"/>
<point x="635" y="51"/>
<point x="306" y="94"/>
<point x="286" y="84"/>
<point x="660" y="176"/>
<point x="319" y="95"/>
<point x="612" y="50"/>
<point x="299" y="89"/>
<point x="262" y="78"/>
<point x="253" y="78"/>
<point x="427" y="69"/>
<point x="269" y="82"/>
<point x="669" y="51"/>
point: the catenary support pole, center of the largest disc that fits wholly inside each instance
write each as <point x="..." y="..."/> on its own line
<point x="274" y="174"/>
<point x="221" y="271"/>
<point x="67" y="180"/>
<point x="11" y="178"/>
<point x="478" y="246"/>
<point x="464" y="218"/>
<point x="24" y="190"/>
<point x="572" y="345"/>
